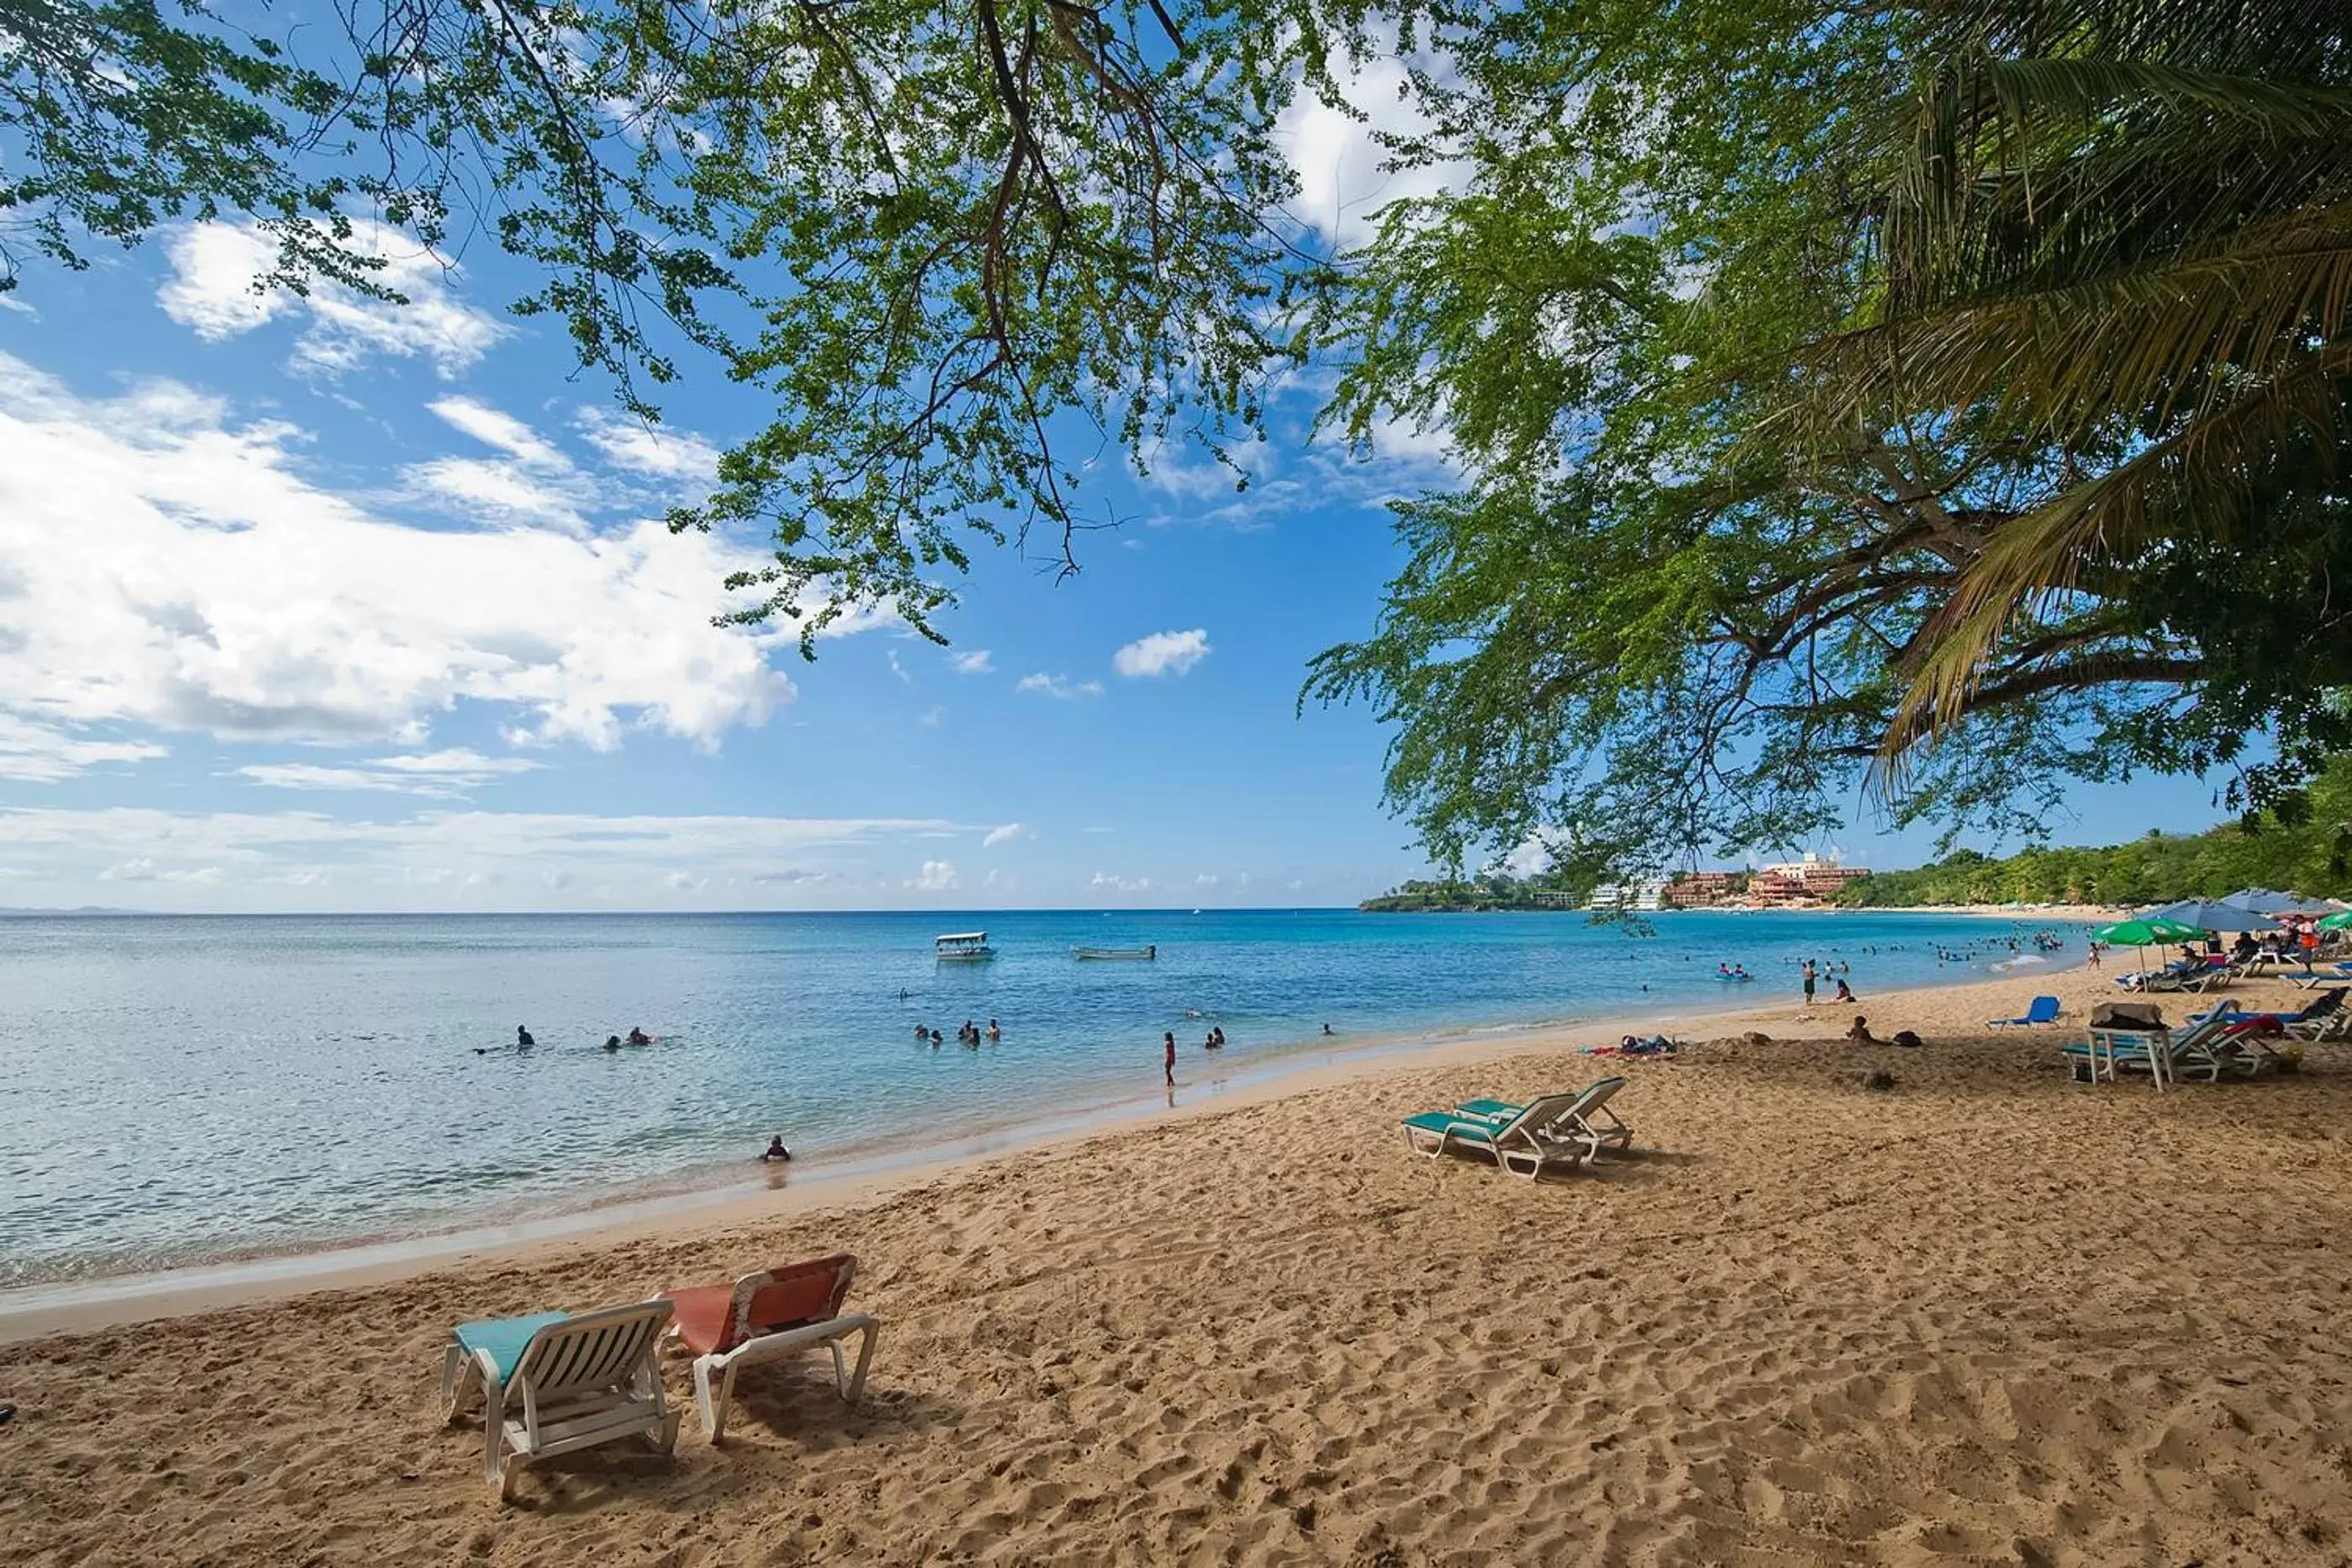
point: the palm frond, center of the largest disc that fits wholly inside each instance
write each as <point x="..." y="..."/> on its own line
<point x="2197" y="480"/>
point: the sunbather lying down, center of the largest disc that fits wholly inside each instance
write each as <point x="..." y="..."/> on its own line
<point x="1636" y="1045"/>
<point x="1860" y="1034"/>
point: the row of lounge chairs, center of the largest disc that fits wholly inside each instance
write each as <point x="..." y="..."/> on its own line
<point x="1551" y="1133"/>
<point x="552" y="1383"/>
<point x="2221" y="1043"/>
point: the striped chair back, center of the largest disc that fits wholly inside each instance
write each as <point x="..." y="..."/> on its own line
<point x="594" y="1350"/>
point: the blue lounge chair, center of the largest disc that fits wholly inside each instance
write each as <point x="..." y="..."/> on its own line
<point x="2043" y="1010"/>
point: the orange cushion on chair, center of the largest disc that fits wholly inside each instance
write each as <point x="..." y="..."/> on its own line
<point x="781" y="1298"/>
<point x="701" y="1315"/>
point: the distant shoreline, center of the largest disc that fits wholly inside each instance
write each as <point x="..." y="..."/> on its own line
<point x="2023" y="915"/>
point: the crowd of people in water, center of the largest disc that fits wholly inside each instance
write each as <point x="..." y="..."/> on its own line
<point x="969" y="1034"/>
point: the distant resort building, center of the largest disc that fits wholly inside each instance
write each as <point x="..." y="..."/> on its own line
<point x="1790" y="885"/>
<point x="1799" y="882"/>
<point x="1701" y="889"/>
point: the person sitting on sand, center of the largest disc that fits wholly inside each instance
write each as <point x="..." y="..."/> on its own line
<point x="1859" y="1034"/>
<point x="776" y="1151"/>
<point x="522" y="1039"/>
<point x="994" y="1033"/>
<point x="1845" y="992"/>
<point x="639" y="1037"/>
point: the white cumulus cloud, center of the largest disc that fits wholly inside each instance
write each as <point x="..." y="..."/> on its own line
<point x="210" y="291"/>
<point x="655" y="451"/>
<point x="1163" y="653"/>
<point x="1058" y="686"/>
<point x="1004" y="835"/>
<point x="937" y="876"/>
<point x="163" y="564"/>
<point x="435" y="860"/>
<point x="448" y="773"/>
<point x="495" y="427"/>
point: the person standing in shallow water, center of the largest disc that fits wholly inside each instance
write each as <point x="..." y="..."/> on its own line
<point x="1168" y="1039"/>
<point x="1809" y="975"/>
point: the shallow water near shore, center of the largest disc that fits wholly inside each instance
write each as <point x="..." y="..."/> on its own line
<point x="181" y="1090"/>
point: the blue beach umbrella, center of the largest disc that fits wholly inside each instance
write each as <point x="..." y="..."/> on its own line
<point x="2208" y="916"/>
<point x="2271" y="900"/>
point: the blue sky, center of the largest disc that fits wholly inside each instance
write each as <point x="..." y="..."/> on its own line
<point x="334" y="605"/>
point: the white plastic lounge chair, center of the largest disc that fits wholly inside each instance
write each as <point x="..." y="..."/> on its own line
<point x="579" y="1381"/>
<point x="761" y="1316"/>
<point x="1587" y="1119"/>
<point x="1526" y="1145"/>
<point x="1552" y="1133"/>
<point x="2164" y="1055"/>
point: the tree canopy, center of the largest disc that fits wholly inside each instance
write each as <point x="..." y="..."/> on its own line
<point x="1944" y="393"/>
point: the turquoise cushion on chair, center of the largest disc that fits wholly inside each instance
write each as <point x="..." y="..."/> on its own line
<point x="505" y="1338"/>
<point x="1442" y="1122"/>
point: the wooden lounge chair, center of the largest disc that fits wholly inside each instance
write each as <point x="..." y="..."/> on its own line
<point x="578" y="1381"/>
<point x="2042" y="1009"/>
<point x="773" y="1313"/>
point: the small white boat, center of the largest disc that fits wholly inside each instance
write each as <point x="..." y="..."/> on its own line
<point x="1143" y="953"/>
<point x="963" y="947"/>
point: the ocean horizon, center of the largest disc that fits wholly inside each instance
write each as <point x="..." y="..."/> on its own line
<point x="210" y="1087"/>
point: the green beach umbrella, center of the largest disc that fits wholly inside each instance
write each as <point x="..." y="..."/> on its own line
<point x="2142" y="932"/>
<point x="2148" y="932"/>
<point x="2339" y="921"/>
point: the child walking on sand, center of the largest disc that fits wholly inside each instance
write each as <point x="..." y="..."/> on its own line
<point x="1170" y="1038"/>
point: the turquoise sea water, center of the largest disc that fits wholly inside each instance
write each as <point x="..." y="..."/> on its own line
<point x="180" y="1090"/>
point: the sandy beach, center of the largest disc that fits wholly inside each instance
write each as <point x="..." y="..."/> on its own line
<point x="1982" y="1316"/>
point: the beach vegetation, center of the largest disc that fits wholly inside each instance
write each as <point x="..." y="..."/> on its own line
<point x="2305" y="854"/>
<point x="1943" y="398"/>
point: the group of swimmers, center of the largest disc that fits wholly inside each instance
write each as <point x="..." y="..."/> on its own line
<point x="523" y="1040"/>
<point x="969" y="1034"/>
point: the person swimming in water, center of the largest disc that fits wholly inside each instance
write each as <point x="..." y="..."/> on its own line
<point x="776" y="1151"/>
<point x="522" y="1039"/>
<point x="994" y="1033"/>
<point x="639" y="1037"/>
<point x="612" y="1042"/>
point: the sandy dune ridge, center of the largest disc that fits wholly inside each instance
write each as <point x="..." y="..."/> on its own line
<point x="1983" y="1317"/>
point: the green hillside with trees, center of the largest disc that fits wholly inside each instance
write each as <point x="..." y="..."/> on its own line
<point x="2306" y="855"/>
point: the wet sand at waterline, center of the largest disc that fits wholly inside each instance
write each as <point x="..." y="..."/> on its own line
<point x="1982" y="1316"/>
